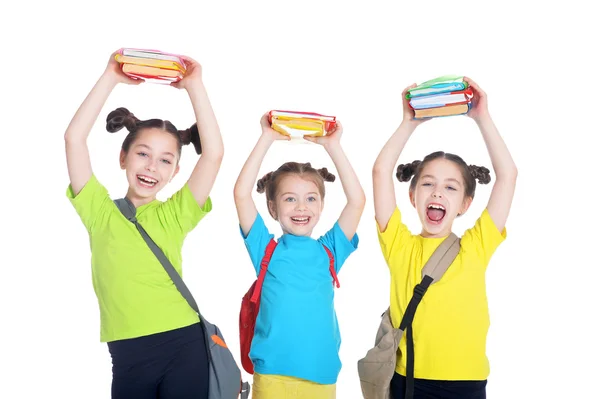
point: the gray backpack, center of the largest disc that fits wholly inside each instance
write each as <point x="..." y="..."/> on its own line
<point x="225" y="377"/>
<point x="377" y="368"/>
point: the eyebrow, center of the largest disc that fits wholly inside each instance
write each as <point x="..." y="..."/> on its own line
<point x="150" y="148"/>
<point x="314" y="193"/>
<point x="450" y="179"/>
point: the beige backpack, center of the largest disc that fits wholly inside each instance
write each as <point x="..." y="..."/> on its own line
<point x="377" y="368"/>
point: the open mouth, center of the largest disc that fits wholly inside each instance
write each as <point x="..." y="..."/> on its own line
<point x="300" y="220"/>
<point x="147" y="181"/>
<point x="435" y="213"/>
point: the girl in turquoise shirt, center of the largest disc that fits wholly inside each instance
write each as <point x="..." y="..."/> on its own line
<point x="296" y="340"/>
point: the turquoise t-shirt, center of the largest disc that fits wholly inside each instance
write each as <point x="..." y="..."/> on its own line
<point x="296" y="331"/>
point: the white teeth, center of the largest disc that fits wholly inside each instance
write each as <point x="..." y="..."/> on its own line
<point x="434" y="206"/>
<point x="301" y="220"/>
<point x="148" y="179"/>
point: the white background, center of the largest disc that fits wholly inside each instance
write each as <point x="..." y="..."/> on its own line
<point x="532" y="58"/>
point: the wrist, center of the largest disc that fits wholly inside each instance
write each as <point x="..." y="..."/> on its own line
<point x="109" y="78"/>
<point x="484" y="118"/>
<point x="408" y="125"/>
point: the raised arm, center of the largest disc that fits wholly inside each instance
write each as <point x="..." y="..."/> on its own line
<point x="244" y="186"/>
<point x="384" y="195"/>
<point x="203" y="176"/>
<point x="504" y="167"/>
<point x="355" y="196"/>
<point x="78" y="156"/>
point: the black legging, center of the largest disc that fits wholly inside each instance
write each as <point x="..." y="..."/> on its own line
<point x="431" y="389"/>
<point x="168" y="365"/>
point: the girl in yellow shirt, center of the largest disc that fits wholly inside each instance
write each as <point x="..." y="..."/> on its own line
<point x="451" y="324"/>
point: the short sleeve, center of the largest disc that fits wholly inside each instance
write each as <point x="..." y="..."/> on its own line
<point x="256" y="241"/>
<point x="483" y="238"/>
<point x="394" y="236"/>
<point x="91" y="203"/>
<point x="183" y="209"/>
<point x="339" y="245"/>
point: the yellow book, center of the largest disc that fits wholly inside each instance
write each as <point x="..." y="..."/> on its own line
<point x="151" y="62"/>
<point x="148" y="71"/>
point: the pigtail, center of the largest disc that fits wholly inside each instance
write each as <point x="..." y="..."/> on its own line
<point x="480" y="173"/>
<point x="192" y="136"/>
<point x="120" y="118"/>
<point x="324" y="173"/>
<point x="261" y="185"/>
<point x="406" y="171"/>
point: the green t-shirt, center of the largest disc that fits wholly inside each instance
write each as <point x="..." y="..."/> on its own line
<point x="135" y="294"/>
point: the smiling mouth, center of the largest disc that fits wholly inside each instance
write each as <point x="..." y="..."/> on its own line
<point x="300" y="220"/>
<point x="435" y="213"/>
<point x="147" y="181"/>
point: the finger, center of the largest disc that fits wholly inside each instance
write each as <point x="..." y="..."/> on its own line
<point x="405" y="91"/>
<point x="310" y="138"/>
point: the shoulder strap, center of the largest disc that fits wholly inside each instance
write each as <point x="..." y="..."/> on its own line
<point x="128" y="210"/>
<point x="264" y="264"/>
<point x="332" y="267"/>
<point x="434" y="269"/>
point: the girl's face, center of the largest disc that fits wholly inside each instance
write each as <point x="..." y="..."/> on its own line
<point x="150" y="163"/>
<point x="439" y="197"/>
<point x="297" y="205"/>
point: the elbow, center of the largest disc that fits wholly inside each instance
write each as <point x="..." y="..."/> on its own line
<point x="380" y="171"/>
<point x="359" y="201"/>
<point x="239" y="194"/>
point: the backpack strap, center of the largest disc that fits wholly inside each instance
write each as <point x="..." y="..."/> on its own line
<point x="129" y="211"/>
<point x="332" y="267"/>
<point x="436" y="266"/>
<point x="264" y="264"/>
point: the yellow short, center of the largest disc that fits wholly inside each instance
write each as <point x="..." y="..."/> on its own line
<point x="269" y="386"/>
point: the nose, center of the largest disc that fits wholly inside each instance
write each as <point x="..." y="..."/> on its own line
<point x="301" y="206"/>
<point x="436" y="194"/>
<point x="151" y="166"/>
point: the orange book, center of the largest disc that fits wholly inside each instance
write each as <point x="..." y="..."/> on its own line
<point x="152" y="72"/>
<point x="449" y="110"/>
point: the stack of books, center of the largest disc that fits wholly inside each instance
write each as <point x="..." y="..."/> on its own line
<point x="444" y="96"/>
<point x="299" y="124"/>
<point x="151" y="65"/>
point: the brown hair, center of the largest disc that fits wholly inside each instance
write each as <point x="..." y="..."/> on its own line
<point x="268" y="183"/>
<point x="121" y="117"/>
<point x="470" y="173"/>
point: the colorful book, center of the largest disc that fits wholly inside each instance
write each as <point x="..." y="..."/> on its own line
<point x="450" y="110"/>
<point x="441" y="84"/>
<point x="151" y="62"/>
<point x="294" y="123"/>
<point x="151" y="65"/>
<point x="442" y="99"/>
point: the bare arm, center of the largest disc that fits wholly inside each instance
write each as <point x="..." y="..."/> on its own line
<point x="203" y="176"/>
<point x="504" y="167"/>
<point x="78" y="156"/>
<point x="242" y="192"/>
<point x="355" y="196"/>
<point x="384" y="195"/>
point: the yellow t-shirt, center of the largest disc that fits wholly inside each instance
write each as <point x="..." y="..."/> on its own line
<point x="135" y="294"/>
<point x="451" y="323"/>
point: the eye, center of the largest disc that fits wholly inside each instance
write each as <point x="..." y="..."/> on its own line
<point x="426" y="184"/>
<point x="142" y="154"/>
<point x="166" y="161"/>
<point x="311" y="199"/>
<point x="290" y="199"/>
<point x="451" y="188"/>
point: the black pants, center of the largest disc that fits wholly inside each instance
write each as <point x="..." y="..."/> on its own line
<point x="431" y="389"/>
<point x="168" y="365"/>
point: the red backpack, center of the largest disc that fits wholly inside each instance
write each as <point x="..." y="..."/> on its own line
<point x="251" y="303"/>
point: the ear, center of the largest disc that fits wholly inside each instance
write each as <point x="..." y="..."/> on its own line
<point x="411" y="195"/>
<point x="466" y="204"/>
<point x="122" y="157"/>
<point x="273" y="209"/>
